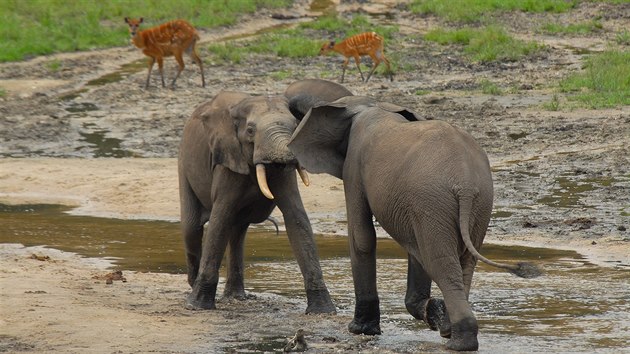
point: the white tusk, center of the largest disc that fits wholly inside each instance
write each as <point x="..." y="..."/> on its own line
<point x="261" y="177"/>
<point x="303" y="176"/>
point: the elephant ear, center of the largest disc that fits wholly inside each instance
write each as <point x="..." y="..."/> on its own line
<point x="405" y="112"/>
<point x="222" y="128"/>
<point x="299" y="105"/>
<point x="321" y="140"/>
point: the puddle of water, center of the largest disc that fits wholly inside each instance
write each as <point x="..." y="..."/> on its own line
<point x="78" y="107"/>
<point x="574" y="305"/>
<point x="567" y="194"/>
<point x="326" y="7"/>
<point x="103" y="146"/>
<point x="502" y="214"/>
<point x="118" y="75"/>
<point x="72" y="95"/>
<point x="516" y="136"/>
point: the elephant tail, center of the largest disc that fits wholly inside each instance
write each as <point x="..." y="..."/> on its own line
<point x="521" y="269"/>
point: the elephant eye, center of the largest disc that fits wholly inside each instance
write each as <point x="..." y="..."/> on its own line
<point x="250" y="130"/>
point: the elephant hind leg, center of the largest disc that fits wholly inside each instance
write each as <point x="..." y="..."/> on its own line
<point x="442" y="262"/>
<point x="419" y="303"/>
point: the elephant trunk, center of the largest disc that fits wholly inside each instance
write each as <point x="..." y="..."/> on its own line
<point x="272" y="149"/>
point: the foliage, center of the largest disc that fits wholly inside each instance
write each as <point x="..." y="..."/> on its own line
<point x="474" y="10"/>
<point x="490" y="43"/>
<point x="604" y="81"/>
<point x="490" y="88"/>
<point x="623" y="37"/>
<point x="37" y="27"/>
<point x="573" y="28"/>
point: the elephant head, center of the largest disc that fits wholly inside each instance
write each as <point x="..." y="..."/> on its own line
<point x="321" y="139"/>
<point x="249" y="132"/>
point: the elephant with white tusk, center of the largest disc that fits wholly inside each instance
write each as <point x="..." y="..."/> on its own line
<point x="234" y="169"/>
<point x="428" y="184"/>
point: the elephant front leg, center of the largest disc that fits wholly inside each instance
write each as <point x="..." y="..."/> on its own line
<point x="302" y="242"/>
<point x="204" y="288"/>
<point x="362" y="238"/>
<point x="419" y="303"/>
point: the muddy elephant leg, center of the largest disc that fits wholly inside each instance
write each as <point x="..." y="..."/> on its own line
<point x="193" y="217"/>
<point x="234" y="285"/>
<point x="216" y="236"/>
<point x="302" y="242"/>
<point x="418" y="299"/>
<point x="445" y="269"/>
<point x="362" y="239"/>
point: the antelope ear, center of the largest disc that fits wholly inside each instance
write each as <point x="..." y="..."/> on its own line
<point x="126" y="19"/>
<point x="320" y="141"/>
<point x="405" y="112"/>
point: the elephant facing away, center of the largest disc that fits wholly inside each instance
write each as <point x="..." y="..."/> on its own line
<point x="428" y="184"/>
<point x="304" y="94"/>
<point x="234" y="169"/>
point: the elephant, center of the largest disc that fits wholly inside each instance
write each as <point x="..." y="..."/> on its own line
<point x="428" y="184"/>
<point x="234" y="169"/>
<point x="304" y="94"/>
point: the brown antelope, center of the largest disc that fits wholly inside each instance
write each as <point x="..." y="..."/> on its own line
<point x="368" y="43"/>
<point x="171" y="38"/>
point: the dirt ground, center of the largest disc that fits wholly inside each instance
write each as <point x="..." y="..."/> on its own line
<point x="80" y="129"/>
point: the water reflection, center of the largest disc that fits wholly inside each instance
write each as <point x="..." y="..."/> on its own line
<point x="576" y="304"/>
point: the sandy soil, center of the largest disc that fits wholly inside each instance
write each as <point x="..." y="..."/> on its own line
<point x="562" y="178"/>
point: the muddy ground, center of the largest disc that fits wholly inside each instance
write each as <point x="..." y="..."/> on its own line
<point x="562" y="178"/>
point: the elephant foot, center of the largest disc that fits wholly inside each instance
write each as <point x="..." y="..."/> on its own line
<point x="319" y="302"/>
<point x="464" y="336"/>
<point x="202" y="297"/>
<point x="367" y="318"/>
<point x="436" y="317"/>
<point x="369" y="328"/>
<point x="195" y="304"/>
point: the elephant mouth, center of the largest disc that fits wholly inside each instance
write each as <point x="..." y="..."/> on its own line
<point x="261" y="176"/>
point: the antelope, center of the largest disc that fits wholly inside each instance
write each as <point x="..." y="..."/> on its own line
<point x="169" y="39"/>
<point x="367" y="43"/>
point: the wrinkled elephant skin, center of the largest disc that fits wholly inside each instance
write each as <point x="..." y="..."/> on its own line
<point x="225" y="143"/>
<point x="428" y="184"/>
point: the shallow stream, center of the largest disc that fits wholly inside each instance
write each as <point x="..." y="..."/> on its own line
<point x="575" y="307"/>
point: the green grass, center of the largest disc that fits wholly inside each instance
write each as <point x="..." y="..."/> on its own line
<point x="36" y="27"/>
<point x="3" y="92"/>
<point x="475" y="10"/>
<point x="604" y="81"/>
<point x="281" y="43"/>
<point x="301" y="42"/>
<point x="487" y="44"/>
<point x="341" y="28"/>
<point x="573" y="28"/>
<point x="490" y="88"/>
<point x="623" y="37"/>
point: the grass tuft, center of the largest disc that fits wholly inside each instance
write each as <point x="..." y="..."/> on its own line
<point x="471" y="11"/>
<point x="604" y="82"/>
<point x="487" y="44"/>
